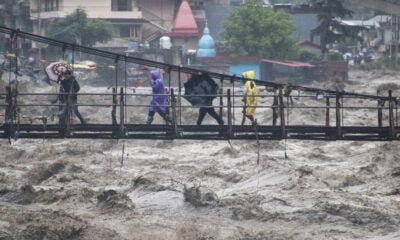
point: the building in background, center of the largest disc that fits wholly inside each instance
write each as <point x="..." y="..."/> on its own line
<point x="124" y="15"/>
<point x="138" y="24"/>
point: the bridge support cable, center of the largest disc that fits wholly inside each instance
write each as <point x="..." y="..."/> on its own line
<point x="150" y="63"/>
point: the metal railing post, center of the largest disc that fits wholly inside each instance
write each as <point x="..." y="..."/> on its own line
<point x="7" y="115"/>
<point x="230" y="128"/>
<point x="338" y="118"/>
<point x="221" y="99"/>
<point x="121" y="113"/>
<point x="380" y="106"/>
<point x="68" y="117"/>
<point x="180" y="95"/>
<point x="392" y="130"/>
<point x="174" y="115"/>
<point x="327" y="113"/>
<point x="282" y="114"/>
<point x="114" y="107"/>
<point x="8" y="112"/>
<point x="275" y="106"/>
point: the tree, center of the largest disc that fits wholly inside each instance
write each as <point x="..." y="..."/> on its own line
<point x="257" y="31"/>
<point x="331" y="29"/>
<point x="77" y="28"/>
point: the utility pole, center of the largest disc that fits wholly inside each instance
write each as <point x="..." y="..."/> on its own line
<point x="39" y="8"/>
<point x="395" y="39"/>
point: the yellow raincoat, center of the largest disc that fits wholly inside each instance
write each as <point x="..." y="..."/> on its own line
<point x="251" y="92"/>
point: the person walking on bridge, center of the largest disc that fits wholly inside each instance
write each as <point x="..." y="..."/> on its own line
<point x="158" y="102"/>
<point x="70" y="87"/>
<point x="200" y="91"/>
<point x="250" y="98"/>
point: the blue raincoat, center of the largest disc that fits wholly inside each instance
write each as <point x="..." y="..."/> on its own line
<point x="158" y="103"/>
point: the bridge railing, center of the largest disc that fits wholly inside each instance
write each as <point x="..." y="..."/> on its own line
<point x="293" y="109"/>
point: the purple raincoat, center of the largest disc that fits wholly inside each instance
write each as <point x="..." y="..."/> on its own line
<point x="158" y="103"/>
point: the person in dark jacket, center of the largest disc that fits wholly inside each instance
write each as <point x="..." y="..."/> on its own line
<point x="200" y="91"/>
<point x="70" y="87"/>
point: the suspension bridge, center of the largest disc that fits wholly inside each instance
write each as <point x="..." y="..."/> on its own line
<point x="339" y="109"/>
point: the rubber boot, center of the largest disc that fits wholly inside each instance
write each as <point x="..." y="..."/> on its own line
<point x="167" y="119"/>
<point x="149" y="120"/>
<point x="254" y="122"/>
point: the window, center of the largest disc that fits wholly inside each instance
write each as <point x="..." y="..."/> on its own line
<point x="50" y="5"/>
<point x="197" y="4"/>
<point x="129" y="31"/>
<point x="121" y="5"/>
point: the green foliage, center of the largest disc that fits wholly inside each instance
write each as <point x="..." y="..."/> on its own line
<point x="77" y="28"/>
<point x="257" y="31"/>
<point x="335" y="57"/>
<point x="306" y="56"/>
<point x="330" y="29"/>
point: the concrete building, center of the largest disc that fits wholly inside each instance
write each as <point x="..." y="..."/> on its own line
<point x="124" y="15"/>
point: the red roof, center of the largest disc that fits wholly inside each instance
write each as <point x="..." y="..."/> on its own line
<point x="288" y="63"/>
<point x="308" y="43"/>
<point x="184" y="24"/>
